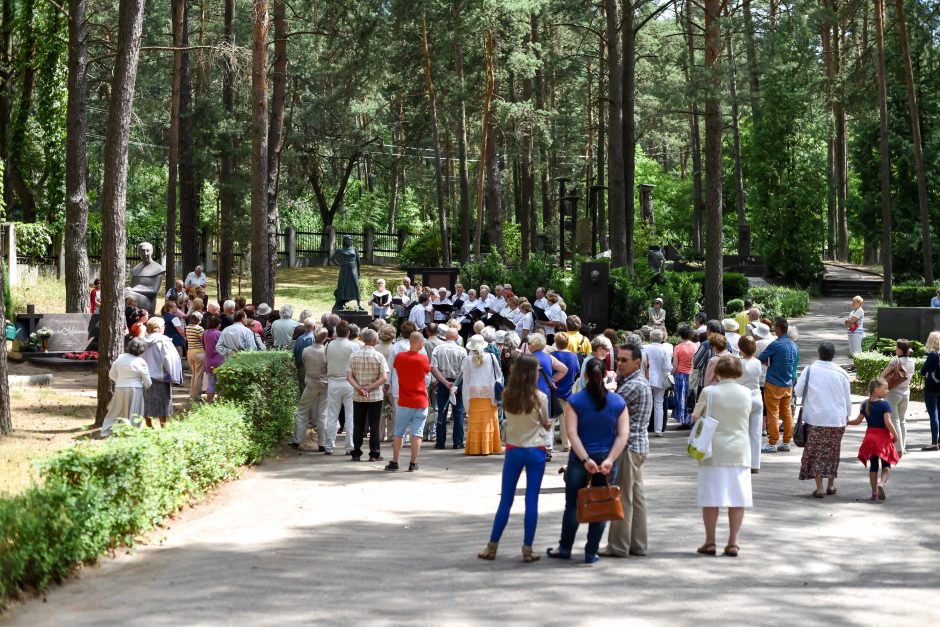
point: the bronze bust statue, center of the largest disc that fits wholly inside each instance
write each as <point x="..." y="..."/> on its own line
<point x="146" y="278"/>
<point x="347" y="288"/>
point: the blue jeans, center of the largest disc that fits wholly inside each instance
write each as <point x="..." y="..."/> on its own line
<point x="443" y="402"/>
<point x="933" y="411"/>
<point x="576" y="477"/>
<point x="533" y="460"/>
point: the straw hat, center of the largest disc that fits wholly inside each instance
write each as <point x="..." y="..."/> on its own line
<point x="476" y="343"/>
<point x="730" y="324"/>
<point x="263" y="309"/>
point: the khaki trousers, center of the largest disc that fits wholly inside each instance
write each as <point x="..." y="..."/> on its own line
<point x="628" y="536"/>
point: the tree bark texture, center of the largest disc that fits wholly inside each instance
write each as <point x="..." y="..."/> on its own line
<point x="227" y="196"/>
<point x="178" y="11"/>
<point x="19" y="177"/>
<point x="714" y="300"/>
<point x="885" y="152"/>
<point x="494" y="189"/>
<point x="628" y="32"/>
<point x="435" y="136"/>
<point x="743" y="251"/>
<point x="188" y="187"/>
<point x="922" y="196"/>
<point x="6" y="421"/>
<point x="485" y="139"/>
<point x="616" y="192"/>
<point x="6" y="93"/>
<point x="463" y="177"/>
<point x="262" y="290"/>
<point x="698" y="201"/>
<point x="76" y="159"/>
<point x="753" y="80"/>
<point x="114" y="197"/>
<point x="276" y="143"/>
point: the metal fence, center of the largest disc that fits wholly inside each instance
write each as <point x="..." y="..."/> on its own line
<point x="387" y="245"/>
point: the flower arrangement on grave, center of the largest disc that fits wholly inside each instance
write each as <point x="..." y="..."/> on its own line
<point x="84" y="356"/>
<point x="39" y="339"/>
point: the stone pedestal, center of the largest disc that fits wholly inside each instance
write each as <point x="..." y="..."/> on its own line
<point x="361" y="319"/>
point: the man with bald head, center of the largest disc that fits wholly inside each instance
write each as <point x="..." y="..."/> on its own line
<point x="411" y="368"/>
<point x="446" y="363"/>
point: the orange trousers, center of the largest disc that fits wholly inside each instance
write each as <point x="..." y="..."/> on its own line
<point x="777" y="401"/>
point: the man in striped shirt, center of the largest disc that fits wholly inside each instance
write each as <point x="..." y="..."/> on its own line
<point x="367" y="374"/>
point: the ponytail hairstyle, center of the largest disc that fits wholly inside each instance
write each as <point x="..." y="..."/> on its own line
<point x="595" y="372"/>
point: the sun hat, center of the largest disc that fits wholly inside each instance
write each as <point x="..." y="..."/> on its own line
<point x="263" y="309"/>
<point x="761" y="331"/>
<point x="476" y="343"/>
<point x="730" y="324"/>
<point x="500" y="337"/>
<point x="658" y="300"/>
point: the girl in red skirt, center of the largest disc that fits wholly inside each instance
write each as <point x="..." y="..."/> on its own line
<point x="878" y="446"/>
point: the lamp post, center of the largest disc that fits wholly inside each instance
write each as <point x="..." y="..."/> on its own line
<point x="571" y="203"/>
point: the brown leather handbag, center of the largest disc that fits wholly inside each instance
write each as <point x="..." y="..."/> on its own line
<point x="599" y="503"/>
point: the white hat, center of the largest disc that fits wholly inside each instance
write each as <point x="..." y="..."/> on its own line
<point x="263" y="309"/>
<point x="476" y="343"/>
<point x="761" y="330"/>
<point x="658" y="300"/>
<point x="500" y="337"/>
<point x="730" y="324"/>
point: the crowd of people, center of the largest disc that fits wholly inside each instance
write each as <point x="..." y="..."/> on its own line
<point x="501" y="373"/>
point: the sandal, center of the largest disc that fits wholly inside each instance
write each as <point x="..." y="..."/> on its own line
<point x="707" y="549"/>
<point x="528" y="555"/>
<point x="831" y="491"/>
<point x="489" y="553"/>
<point x="732" y="550"/>
<point x="817" y="494"/>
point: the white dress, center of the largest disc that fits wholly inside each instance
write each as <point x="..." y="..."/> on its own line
<point x="724" y="486"/>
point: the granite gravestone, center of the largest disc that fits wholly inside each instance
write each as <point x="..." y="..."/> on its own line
<point x="71" y="333"/>
<point x="595" y="301"/>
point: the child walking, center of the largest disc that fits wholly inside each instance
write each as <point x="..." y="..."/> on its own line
<point x="877" y="448"/>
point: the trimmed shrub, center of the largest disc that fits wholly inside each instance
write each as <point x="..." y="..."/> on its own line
<point x="423" y="251"/>
<point x="734" y="306"/>
<point x="733" y="284"/>
<point x="264" y="383"/>
<point x="98" y="496"/>
<point x="913" y="294"/>
<point x="887" y="346"/>
<point x="869" y="365"/>
<point x="780" y="301"/>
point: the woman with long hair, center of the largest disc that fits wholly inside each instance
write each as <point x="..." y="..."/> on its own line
<point x="598" y="425"/>
<point x="481" y="373"/>
<point x="526" y="412"/>
<point x="900" y="395"/>
<point x="931" y="373"/>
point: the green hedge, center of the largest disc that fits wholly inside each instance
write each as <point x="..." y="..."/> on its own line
<point x="96" y="496"/>
<point x="869" y="365"/>
<point x="733" y="284"/>
<point x="780" y="301"/>
<point x="913" y="294"/>
<point x="265" y="385"/>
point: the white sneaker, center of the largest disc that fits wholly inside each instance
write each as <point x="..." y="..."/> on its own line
<point x="769" y="448"/>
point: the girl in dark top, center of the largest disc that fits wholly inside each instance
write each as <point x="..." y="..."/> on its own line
<point x="878" y="446"/>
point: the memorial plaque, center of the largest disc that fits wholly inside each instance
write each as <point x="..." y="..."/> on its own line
<point x="595" y="300"/>
<point x="434" y="277"/>
<point x="71" y="333"/>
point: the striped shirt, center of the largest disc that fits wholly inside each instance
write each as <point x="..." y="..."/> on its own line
<point x="635" y="390"/>
<point x="194" y="334"/>
<point x="368" y="366"/>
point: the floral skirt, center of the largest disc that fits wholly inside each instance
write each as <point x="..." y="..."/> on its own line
<point x="821" y="453"/>
<point x="482" y="428"/>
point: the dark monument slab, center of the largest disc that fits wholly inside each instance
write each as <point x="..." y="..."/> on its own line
<point x="361" y="319"/>
<point x="912" y="323"/>
<point x="71" y="332"/>
<point x="595" y="300"/>
<point x="434" y="277"/>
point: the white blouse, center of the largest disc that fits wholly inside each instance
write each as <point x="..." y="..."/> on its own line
<point x="751" y="376"/>
<point x="130" y="371"/>
<point x="478" y="381"/>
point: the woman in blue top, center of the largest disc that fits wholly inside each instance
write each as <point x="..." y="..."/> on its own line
<point x="552" y="371"/>
<point x="598" y="426"/>
<point x="565" y="385"/>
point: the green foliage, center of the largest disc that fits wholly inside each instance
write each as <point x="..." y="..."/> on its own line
<point x="628" y="301"/>
<point x="913" y="294"/>
<point x="887" y="346"/>
<point x="33" y="239"/>
<point x="735" y="305"/>
<point x="7" y="292"/>
<point x="265" y="385"/>
<point x="681" y="296"/>
<point x="733" y="284"/>
<point x="780" y="301"/>
<point x="97" y="497"/>
<point x="540" y="271"/>
<point x="424" y="250"/>
<point x="869" y="365"/>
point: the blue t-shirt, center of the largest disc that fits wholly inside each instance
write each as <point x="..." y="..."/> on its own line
<point x="545" y="361"/>
<point x="597" y="428"/>
<point x="875" y="416"/>
<point x="571" y="360"/>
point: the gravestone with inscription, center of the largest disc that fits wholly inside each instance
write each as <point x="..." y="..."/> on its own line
<point x="71" y="332"/>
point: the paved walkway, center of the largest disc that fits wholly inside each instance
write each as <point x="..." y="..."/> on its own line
<point x="823" y="322"/>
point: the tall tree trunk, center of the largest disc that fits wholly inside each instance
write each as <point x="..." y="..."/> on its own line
<point x="698" y="201"/>
<point x="885" y="152"/>
<point x="714" y="299"/>
<point x="19" y="174"/>
<point x="841" y="152"/>
<point x="750" y="50"/>
<point x="276" y="141"/>
<point x="262" y="291"/>
<point x="628" y="33"/>
<point x="831" y="201"/>
<point x="922" y="196"/>
<point x="398" y="141"/>
<point x="463" y="176"/>
<point x="601" y="145"/>
<point x="189" y="193"/>
<point x="540" y="106"/>
<point x="76" y="159"/>
<point x="616" y="193"/>
<point x="6" y="94"/>
<point x="6" y="421"/>
<point x="494" y="187"/>
<point x="435" y="135"/>
<point x="178" y="13"/>
<point x="485" y="139"/>
<point x="114" y="197"/>
<point x="227" y="198"/>
<point x="743" y="251"/>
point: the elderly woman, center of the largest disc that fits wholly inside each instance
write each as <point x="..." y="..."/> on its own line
<point x="565" y="386"/>
<point x="480" y="374"/>
<point x="657" y="315"/>
<point x="931" y="373"/>
<point x="131" y="377"/>
<point x="900" y="395"/>
<point x="525" y="322"/>
<point x="719" y="349"/>
<point x="598" y="426"/>
<point x="282" y="329"/>
<point x="724" y="479"/>
<point x="381" y="299"/>
<point x="681" y="369"/>
<point x="527" y="418"/>
<point x="660" y="366"/>
<point x="213" y="359"/>
<point x="827" y="404"/>
<point x="553" y="371"/>
<point x="855" y="325"/>
<point x="165" y="368"/>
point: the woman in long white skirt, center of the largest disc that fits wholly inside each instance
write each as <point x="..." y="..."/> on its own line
<point x="131" y="377"/>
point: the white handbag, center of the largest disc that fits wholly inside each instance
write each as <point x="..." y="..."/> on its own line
<point x="700" y="438"/>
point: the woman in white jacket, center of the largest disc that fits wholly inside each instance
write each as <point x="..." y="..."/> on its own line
<point x="660" y="365"/>
<point x="131" y="377"/>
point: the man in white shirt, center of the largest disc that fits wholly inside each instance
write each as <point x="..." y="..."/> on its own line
<point x="196" y="278"/>
<point x="409" y="289"/>
<point x="339" y="392"/>
<point x="500" y="302"/>
<point x="176" y="290"/>
<point x="486" y="298"/>
<point x="419" y="313"/>
<point x="540" y="301"/>
<point x="238" y="337"/>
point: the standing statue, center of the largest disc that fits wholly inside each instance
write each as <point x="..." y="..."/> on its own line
<point x="657" y="261"/>
<point x="347" y="288"/>
<point x="146" y="278"/>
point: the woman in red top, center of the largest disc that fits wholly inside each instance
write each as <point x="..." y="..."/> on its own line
<point x="681" y="368"/>
<point x="96" y="296"/>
